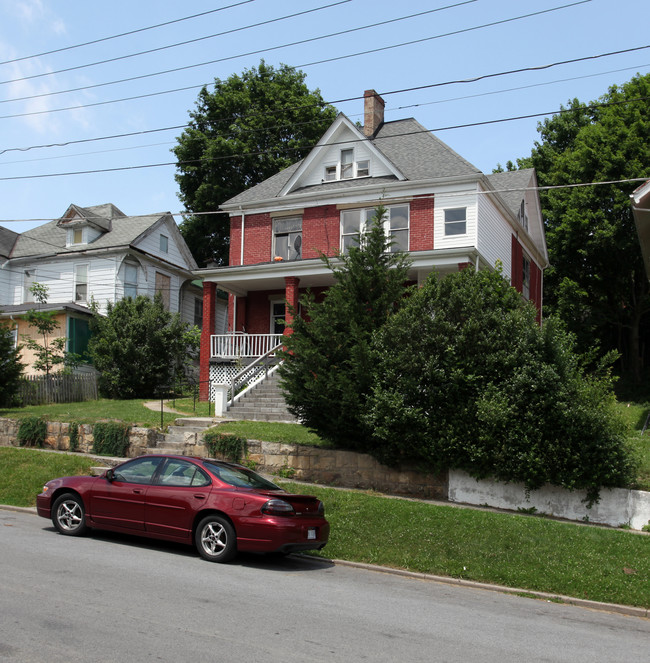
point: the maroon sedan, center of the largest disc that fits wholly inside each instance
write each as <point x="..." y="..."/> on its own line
<point x="220" y="507"/>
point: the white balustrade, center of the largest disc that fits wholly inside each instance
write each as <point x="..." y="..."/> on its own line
<point x="239" y="344"/>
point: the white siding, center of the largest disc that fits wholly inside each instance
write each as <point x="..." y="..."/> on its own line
<point x="454" y="200"/>
<point x="151" y="245"/>
<point x="494" y="236"/>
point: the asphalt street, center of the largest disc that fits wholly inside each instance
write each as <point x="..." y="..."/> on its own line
<point x="108" y="597"/>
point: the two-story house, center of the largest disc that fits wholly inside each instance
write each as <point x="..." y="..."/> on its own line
<point x="97" y="254"/>
<point x="441" y="209"/>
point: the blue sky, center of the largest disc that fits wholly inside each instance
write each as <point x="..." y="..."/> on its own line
<point x="452" y="45"/>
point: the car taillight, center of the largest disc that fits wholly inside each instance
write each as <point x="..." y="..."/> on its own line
<point x="321" y="509"/>
<point x="278" y="508"/>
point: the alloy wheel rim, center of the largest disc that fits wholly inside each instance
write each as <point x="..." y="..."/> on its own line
<point x="213" y="538"/>
<point x="69" y="515"/>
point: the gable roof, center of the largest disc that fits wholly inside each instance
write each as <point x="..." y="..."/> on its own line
<point x="119" y="231"/>
<point x="414" y="152"/>
<point x="511" y="186"/>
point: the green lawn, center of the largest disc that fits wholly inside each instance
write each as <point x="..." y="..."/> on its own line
<point x="527" y="552"/>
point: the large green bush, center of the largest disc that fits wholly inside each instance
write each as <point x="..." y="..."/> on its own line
<point x="10" y="367"/>
<point x="465" y="378"/>
<point x="139" y="346"/>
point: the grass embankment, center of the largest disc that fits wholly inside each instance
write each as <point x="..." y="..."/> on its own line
<point x="528" y="552"/>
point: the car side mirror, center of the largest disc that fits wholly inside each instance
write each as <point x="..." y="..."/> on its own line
<point x="110" y="475"/>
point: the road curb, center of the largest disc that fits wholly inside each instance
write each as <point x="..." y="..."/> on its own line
<point x="630" y="611"/>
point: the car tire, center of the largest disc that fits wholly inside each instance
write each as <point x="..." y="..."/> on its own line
<point x="215" y="539"/>
<point x="69" y="515"/>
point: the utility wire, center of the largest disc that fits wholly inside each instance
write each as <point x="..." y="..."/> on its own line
<point x="125" y="34"/>
<point x="344" y="142"/>
<point x="314" y="39"/>
<point x="338" y="101"/>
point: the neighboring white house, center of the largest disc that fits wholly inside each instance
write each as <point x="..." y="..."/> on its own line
<point x="97" y="254"/>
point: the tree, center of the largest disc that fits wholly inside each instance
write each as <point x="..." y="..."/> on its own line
<point x="138" y="347"/>
<point x="327" y="375"/>
<point x="49" y="352"/>
<point x="596" y="282"/>
<point x="246" y="130"/>
<point x="465" y="378"/>
<point x="10" y="367"/>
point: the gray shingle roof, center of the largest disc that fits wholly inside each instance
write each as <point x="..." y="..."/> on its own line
<point x="7" y="241"/>
<point x="51" y="239"/>
<point x="510" y="186"/>
<point x="414" y="151"/>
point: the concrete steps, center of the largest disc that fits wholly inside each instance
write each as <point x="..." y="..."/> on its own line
<point x="265" y="402"/>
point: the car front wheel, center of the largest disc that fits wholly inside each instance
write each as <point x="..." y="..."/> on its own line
<point x="69" y="515"/>
<point x="215" y="539"/>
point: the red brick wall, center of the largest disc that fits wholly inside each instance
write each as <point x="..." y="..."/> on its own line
<point x="320" y="231"/>
<point x="421" y="233"/>
<point x="235" y="240"/>
<point x="257" y="239"/>
<point x="209" y="319"/>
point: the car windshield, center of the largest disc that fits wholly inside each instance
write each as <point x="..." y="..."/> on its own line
<point x="241" y="477"/>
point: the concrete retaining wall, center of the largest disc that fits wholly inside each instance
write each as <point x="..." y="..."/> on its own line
<point x="617" y="506"/>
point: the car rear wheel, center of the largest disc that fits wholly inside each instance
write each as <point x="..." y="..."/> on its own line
<point x="69" y="515"/>
<point x="215" y="539"/>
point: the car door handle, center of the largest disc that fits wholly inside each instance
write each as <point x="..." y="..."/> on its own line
<point x="137" y="491"/>
<point x="199" y="496"/>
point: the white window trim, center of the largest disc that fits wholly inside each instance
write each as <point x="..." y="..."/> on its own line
<point x="445" y="222"/>
<point x="78" y="282"/>
<point x="354" y="163"/>
<point x="274" y="249"/>
<point x="367" y="213"/>
<point x="126" y="283"/>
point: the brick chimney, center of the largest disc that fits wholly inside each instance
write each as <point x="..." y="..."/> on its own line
<point x="373" y="112"/>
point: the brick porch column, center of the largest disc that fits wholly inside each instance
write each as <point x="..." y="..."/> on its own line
<point x="208" y="328"/>
<point x="291" y="295"/>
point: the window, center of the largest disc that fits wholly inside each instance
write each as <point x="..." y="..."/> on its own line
<point x="140" y="470"/>
<point x="363" y="168"/>
<point x="81" y="283"/>
<point x="198" y="312"/>
<point x="163" y="286"/>
<point x="330" y="173"/>
<point x="181" y="473"/>
<point x="355" y="222"/>
<point x="130" y="280"/>
<point x="78" y="236"/>
<point x="164" y="243"/>
<point x="28" y="281"/>
<point x="522" y="217"/>
<point x="347" y="164"/>
<point x="456" y="221"/>
<point x="525" y="280"/>
<point x="287" y="238"/>
<point x="14" y="337"/>
<point x="277" y="317"/>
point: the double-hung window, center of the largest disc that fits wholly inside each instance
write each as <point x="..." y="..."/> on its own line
<point x="287" y="238"/>
<point x="130" y="280"/>
<point x="356" y="222"/>
<point x="163" y="286"/>
<point x="81" y="283"/>
<point x="347" y="168"/>
<point x="456" y="221"/>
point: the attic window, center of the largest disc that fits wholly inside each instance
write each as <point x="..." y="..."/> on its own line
<point x="522" y="217"/>
<point x="78" y="236"/>
<point x="347" y="168"/>
<point x="164" y="243"/>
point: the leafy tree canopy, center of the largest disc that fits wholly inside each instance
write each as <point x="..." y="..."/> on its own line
<point x="327" y="375"/>
<point x="465" y="378"/>
<point x="596" y="282"/>
<point x="249" y="128"/>
<point x="139" y="346"/>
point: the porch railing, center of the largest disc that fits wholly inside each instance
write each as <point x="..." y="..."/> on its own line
<point x="240" y="344"/>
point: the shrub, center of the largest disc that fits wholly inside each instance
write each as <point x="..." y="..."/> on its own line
<point x="32" y="432"/>
<point x="465" y="378"/>
<point x="232" y="447"/>
<point x="111" y="439"/>
<point x="73" y="435"/>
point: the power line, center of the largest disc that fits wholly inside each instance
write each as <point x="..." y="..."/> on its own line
<point x="125" y="34"/>
<point x="313" y="39"/>
<point x="345" y="142"/>
<point x="182" y="43"/>
<point x="337" y="101"/>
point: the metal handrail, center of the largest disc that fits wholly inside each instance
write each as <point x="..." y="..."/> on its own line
<point x="238" y="376"/>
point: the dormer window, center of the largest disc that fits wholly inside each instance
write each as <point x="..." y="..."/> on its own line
<point x="347" y="168"/>
<point x="76" y="236"/>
